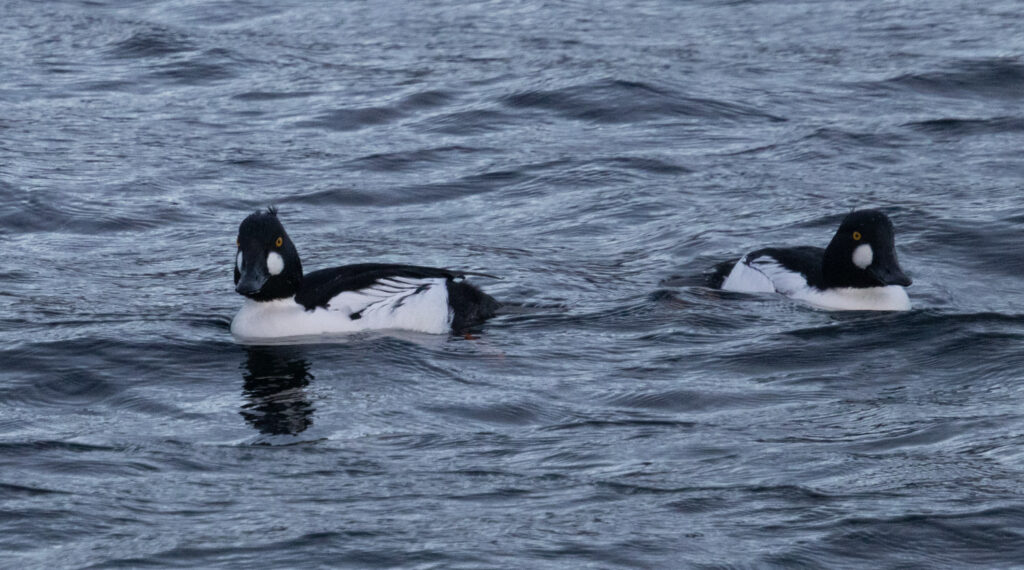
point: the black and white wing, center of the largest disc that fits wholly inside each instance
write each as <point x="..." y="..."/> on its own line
<point x="320" y="287"/>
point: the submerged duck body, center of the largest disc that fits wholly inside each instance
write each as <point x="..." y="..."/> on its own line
<point x="283" y="302"/>
<point x="858" y="271"/>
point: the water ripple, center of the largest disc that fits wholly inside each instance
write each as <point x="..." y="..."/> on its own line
<point x="600" y="159"/>
<point x="618" y="101"/>
<point x="1000" y="78"/>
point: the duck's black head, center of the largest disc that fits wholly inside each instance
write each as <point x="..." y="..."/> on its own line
<point x="267" y="266"/>
<point x="863" y="253"/>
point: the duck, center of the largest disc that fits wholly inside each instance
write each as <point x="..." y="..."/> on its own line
<point x="281" y="301"/>
<point x="857" y="271"/>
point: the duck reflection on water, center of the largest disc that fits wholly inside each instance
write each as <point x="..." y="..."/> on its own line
<point x="275" y="380"/>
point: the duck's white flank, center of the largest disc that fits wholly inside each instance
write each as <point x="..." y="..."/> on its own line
<point x="887" y="298"/>
<point x="765" y="275"/>
<point x="748" y="279"/>
<point x="397" y="303"/>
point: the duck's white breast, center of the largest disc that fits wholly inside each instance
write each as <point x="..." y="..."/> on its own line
<point x="888" y="298"/>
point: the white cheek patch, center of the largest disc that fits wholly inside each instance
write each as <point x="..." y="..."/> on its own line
<point x="238" y="261"/>
<point x="863" y="256"/>
<point x="275" y="263"/>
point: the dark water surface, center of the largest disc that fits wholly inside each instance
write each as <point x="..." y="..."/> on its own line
<point x="599" y="158"/>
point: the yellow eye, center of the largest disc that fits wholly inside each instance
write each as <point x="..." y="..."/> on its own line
<point x="856" y="236"/>
<point x="280" y="241"/>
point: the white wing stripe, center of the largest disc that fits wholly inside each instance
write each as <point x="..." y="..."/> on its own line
<point x="394" y="293"/>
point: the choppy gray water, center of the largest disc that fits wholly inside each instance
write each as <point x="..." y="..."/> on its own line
<point x="599" y="158"/>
